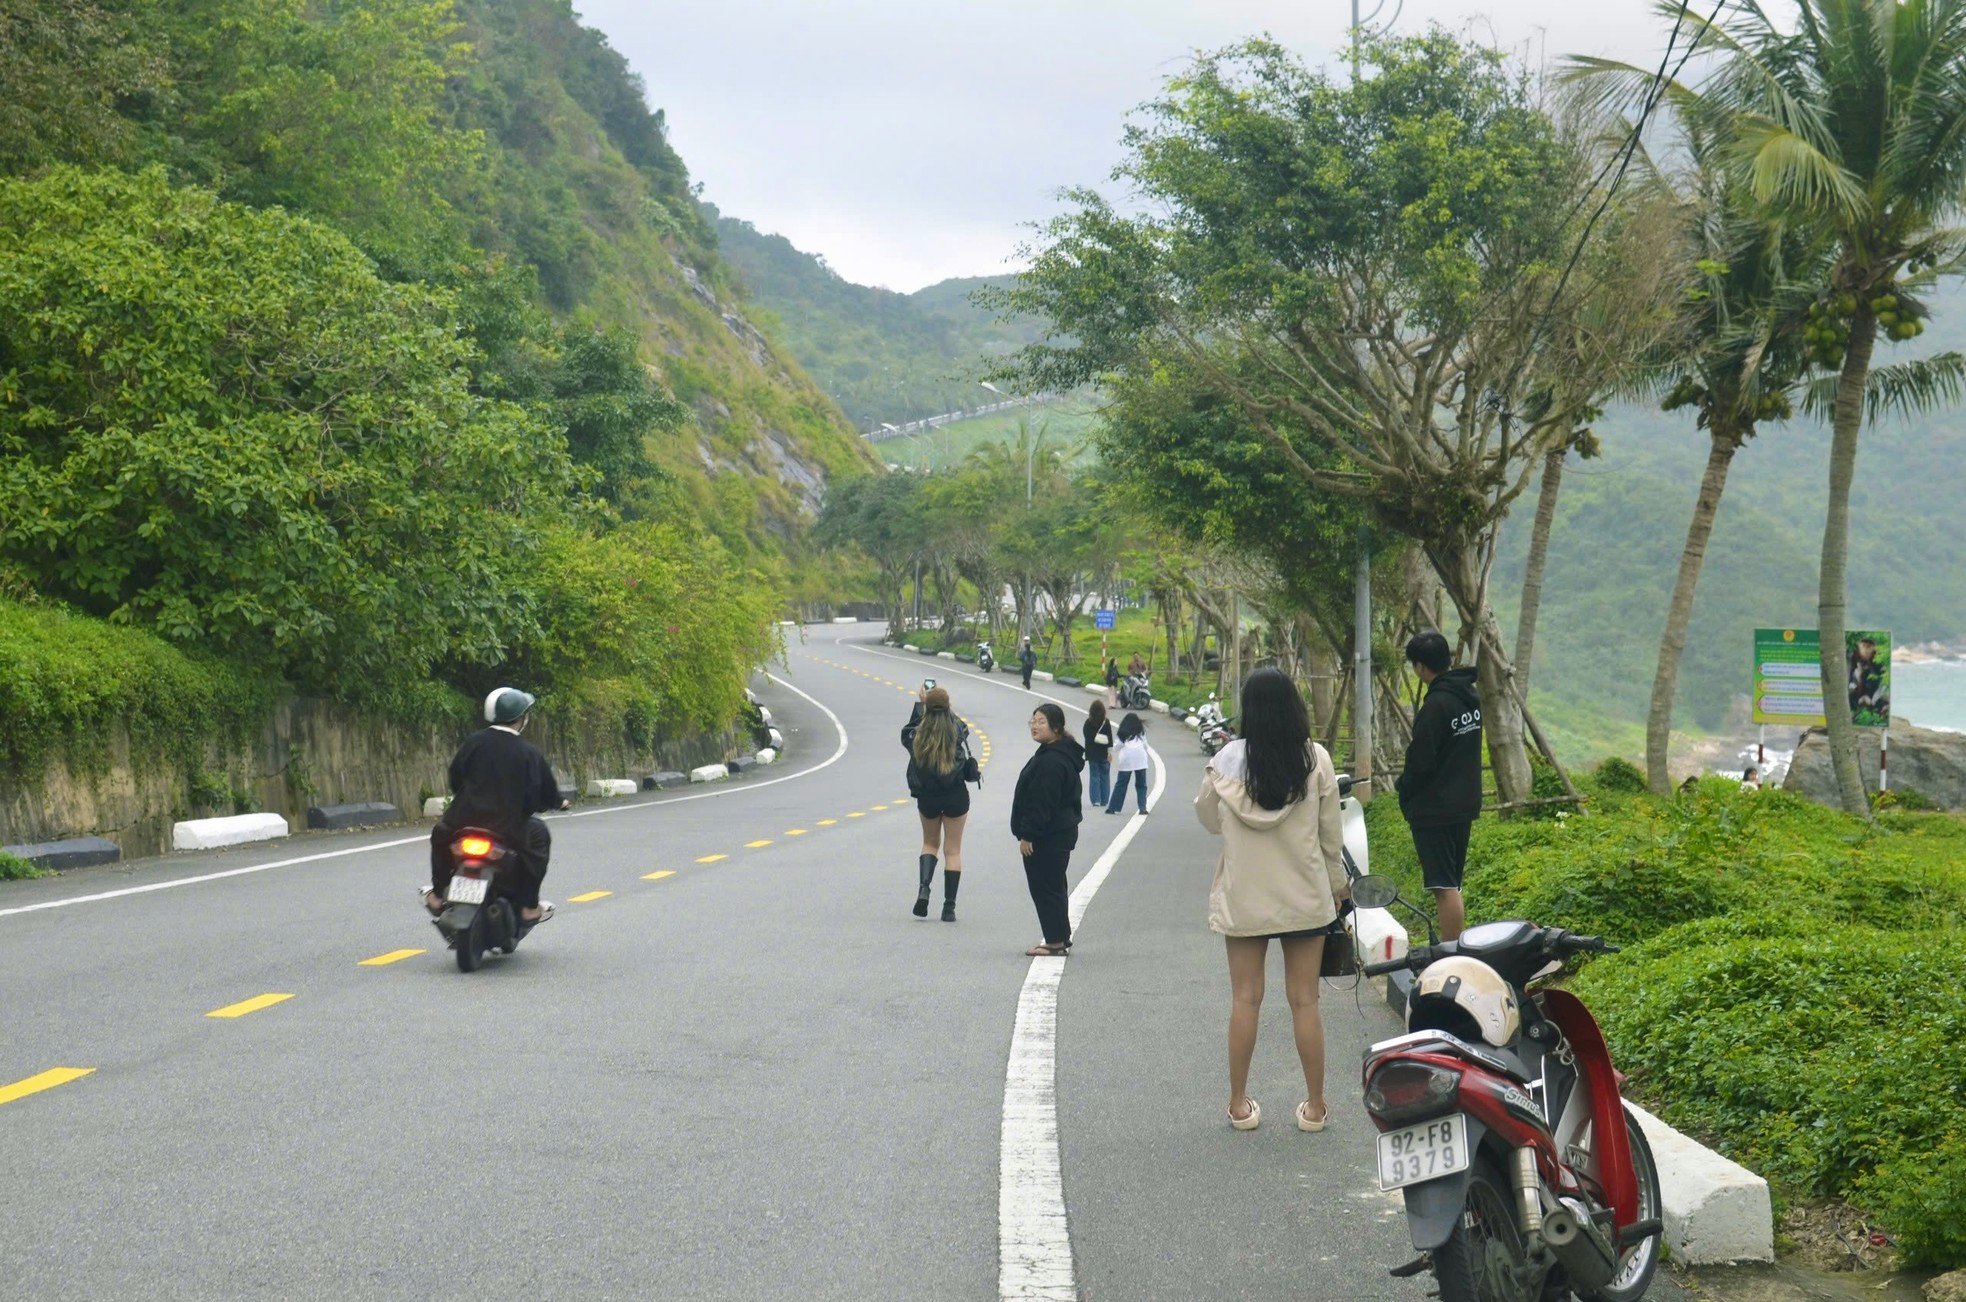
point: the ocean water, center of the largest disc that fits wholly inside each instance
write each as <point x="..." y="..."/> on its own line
<point x="1931" y="695"/>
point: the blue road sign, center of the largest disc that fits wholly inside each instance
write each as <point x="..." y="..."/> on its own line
<point x="1103" y="620"/>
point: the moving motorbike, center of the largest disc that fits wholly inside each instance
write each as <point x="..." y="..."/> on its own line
<point x="986" y="660"/>
<point x="1526" y="1177"/>
<point x="1212" y="728"/>
<point x="480" y="913"/>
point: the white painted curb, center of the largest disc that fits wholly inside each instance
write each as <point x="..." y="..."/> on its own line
<point x="612" y="787"/>
<point x="764" y="714"/>
<point x="1378" y="934"/>
<point x="1043" y="676"/>
<point x="1192" y="721"/>
<point x="435" y="806"/>
<point x="945" y="655"/>
<point x="211" y="833"/>
<point x="1158" y="707"/>
<point x="1094" y="689"/>
<point x="1715" y="1210"/>
<point x="846" y="619"/>
<point x="776" y="738"/>
<point x="710" y="773"/>
<point x="767" y="756"/>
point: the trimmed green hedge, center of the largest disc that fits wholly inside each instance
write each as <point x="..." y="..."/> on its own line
<point x="68" y="681"/>
<point x="1789" y="990"/>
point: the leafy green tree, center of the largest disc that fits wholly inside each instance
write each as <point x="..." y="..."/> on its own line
<point x="222" y="422"/>
<point x="1852" y="119"/>
<point x="877" y="513"/>
<point x="337" y="110"/>
<point x="69" y="64"/>
<point x="1370" y="269"/>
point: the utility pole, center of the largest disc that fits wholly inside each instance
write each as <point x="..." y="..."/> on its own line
<point x="1362" y="712"/>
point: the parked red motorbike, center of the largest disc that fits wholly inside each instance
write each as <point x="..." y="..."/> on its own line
<point x="1525" y="1175"/>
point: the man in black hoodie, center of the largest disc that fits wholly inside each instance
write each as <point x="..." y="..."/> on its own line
<point x="1044" y="817"/>
<point x="1440" y="787"/>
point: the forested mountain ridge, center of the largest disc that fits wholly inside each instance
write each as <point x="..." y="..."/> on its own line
<point x="1621" y="522"/>
<point x="882" y="355"/>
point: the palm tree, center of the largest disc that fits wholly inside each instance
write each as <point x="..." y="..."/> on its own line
<point x="1854" y="123"/>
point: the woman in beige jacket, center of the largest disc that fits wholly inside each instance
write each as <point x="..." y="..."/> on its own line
<point x="1272" y="796"/>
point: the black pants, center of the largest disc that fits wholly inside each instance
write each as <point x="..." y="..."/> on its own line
<point x="519" y="877"/>
<point x="1044" y="872"/>
<point x="1027" y="680"/>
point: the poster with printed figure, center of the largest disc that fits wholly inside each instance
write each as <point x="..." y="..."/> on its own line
<point x="1788" y="677"/>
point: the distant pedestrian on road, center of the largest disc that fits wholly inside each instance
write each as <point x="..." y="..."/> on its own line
<point x="1044" y="817"/>
<point x="1098" y="734"/>
<point x="1027" y="660"/>
<point x="939" y="770"/>
<point x="1272" y="795"/>
<point x="1751" y="779"/>
<point x="1131" y="763"/>
<point x="1440" y="788"/>
<point x="1112" y="682"/>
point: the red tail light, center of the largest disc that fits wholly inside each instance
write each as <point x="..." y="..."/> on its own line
<point x="1404" y="1091"/>
<point x="474" y="847"/>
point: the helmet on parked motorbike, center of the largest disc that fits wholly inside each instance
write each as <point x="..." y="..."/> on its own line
<point x="507" y="705"/>
<point x="1464" y="996"/>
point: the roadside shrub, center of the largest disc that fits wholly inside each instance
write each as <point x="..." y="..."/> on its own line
<point x="13" y="868"/>
<point x="1814" y="1058"/>
<point x="1619" y="775"/>
<point x="67" y="683"/>
<point x="1922" y="1197"/>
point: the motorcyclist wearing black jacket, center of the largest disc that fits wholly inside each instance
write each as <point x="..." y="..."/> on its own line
<point x="500" y="782"/>
<point x="1045" y="812"/>
<point x="1440" y="786"/>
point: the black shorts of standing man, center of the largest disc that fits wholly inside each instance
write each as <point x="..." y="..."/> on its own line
<point x="1440" y="787"/>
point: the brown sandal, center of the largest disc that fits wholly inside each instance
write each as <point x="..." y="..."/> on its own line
<point x="1048" y="950"/>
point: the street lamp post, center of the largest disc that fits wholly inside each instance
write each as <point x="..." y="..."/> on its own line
<point x="1030" y="451"/>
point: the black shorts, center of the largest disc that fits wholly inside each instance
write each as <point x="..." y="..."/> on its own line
<point x="1443" y="855"/>
<point x="944" y="804"/>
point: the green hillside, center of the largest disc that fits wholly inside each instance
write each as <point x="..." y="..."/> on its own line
<point x="1621" y="522"/>
<point x="883" y="356"/>
<point x="382" y="349"/>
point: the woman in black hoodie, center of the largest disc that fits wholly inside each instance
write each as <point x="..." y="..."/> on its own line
<point x="1044" y="817"/>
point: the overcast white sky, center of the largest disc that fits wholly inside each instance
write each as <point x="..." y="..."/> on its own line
<point x="909" y="140"/>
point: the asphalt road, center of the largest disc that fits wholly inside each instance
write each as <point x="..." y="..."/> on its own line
<point x="734" y="1066"/>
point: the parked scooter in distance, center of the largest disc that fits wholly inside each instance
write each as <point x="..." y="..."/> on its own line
<point x="986" y="660"/>
<point x="479" y="913"/>
<point x="1136" y="692"/>
<point x="1213" y="730"/>
<point x="1526" y="1178"/>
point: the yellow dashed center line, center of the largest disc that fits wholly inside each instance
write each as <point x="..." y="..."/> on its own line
<point x="877" y="808"/>
<point x="393" y="956"/>
<point x="795" y="831"/>
<point x="712" y="858"/>
<point x="757" y="845"/>
<point x="245" y="1006"/>
<point x="829" y="822"/>
<point x="589" y="897"/>
<point x="857" y="814"/>
<point x="46" y="1080"/>
<point x="656" y="877"/>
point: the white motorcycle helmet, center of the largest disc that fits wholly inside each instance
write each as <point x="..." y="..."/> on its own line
<point x="1460" y="995"/>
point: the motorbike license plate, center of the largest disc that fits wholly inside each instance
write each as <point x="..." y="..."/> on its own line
<point x="467" y="890"/>
<point x="1423" y="1152"/>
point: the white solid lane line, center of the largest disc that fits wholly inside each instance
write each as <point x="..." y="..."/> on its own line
<point x="839" y="752"/>
<point x="1034" y="1238"/>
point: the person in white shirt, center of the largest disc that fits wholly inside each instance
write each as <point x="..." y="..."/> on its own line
<point x="1130" y="762"/>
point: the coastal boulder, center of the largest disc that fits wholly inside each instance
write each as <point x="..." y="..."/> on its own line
<point x="1927" y="760"/>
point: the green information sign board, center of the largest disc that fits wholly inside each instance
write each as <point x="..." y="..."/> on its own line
<point x="1788" y="677"/>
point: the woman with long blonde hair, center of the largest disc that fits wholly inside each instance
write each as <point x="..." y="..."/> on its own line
<point x="939" y="768"/>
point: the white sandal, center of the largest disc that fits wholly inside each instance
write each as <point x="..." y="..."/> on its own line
<point x="1251" y="1121"/>
<point x="1305" y="1123"/>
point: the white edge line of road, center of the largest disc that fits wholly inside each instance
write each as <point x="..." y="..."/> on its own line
<point x="1034" y="1238"/>
<point x="838" y="754"/>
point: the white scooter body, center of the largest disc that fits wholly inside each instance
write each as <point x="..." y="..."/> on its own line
<point x="1378" y="935"/>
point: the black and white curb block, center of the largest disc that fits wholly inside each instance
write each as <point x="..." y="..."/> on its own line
<point x="665" y="781"/>
<point x="78" y="852"/>
<point x="608" y="787"/>
<point x="237" y="829"/>
<point x="363" y="813"/>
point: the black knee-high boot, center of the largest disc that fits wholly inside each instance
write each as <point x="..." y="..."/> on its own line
<point x="928" y="875"/>
<point x="950" y="881"/>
